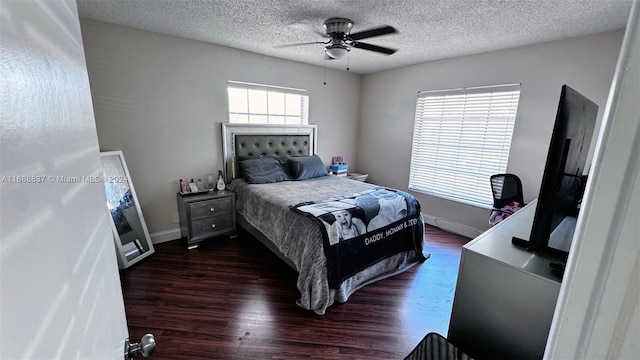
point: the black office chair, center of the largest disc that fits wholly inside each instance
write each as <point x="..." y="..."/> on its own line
<point x="506" y="188"/>
<point x="436" y="347"/>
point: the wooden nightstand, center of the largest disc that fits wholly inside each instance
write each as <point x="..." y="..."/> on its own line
<point x="357" y="176"/>
<point x="207" y="215"/>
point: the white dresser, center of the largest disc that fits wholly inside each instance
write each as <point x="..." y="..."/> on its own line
<point x="505" y="296"/>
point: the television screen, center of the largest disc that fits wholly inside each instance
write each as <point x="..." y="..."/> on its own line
<point x="564" y="175"/>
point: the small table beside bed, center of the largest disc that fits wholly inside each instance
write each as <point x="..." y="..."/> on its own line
<point x="337" y="234"/>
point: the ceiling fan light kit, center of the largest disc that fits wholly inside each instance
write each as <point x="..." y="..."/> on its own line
<point x="336" y="51"/>
<point x="341" y="40"/>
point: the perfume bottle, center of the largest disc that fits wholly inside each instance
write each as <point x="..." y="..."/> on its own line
<point x="220" y="185"/>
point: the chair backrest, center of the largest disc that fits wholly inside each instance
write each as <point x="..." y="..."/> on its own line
<point x="506" y="188"/>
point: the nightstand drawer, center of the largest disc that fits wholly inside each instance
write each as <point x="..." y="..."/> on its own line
<point x="210" y="208"/>
<point x="212" y="225"/>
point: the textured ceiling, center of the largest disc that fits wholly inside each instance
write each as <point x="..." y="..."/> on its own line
<point x="428" y="29"/>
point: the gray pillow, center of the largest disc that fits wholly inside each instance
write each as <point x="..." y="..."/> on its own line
<point x="263" y="170"/>
<point x="306" y="167"/>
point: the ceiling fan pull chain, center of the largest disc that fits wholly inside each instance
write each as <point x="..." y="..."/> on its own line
<point x="325" y="71"/>
<point x="347" y="61"/>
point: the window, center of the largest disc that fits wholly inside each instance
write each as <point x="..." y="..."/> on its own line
<point x="262" y="104"/>
<point x="462" y="137"/>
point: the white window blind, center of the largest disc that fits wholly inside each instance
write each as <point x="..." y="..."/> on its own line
<point x="263" y="104"/>
<point x="461" y="137"/>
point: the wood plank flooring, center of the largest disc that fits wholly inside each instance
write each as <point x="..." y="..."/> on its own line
<point x="233" y="299"/>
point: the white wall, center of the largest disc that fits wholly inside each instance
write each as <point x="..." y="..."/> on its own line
<point x="389" y="99"/>
<point x="60" y="291"/>
<point x="598" y="311"/>
<point x="161" y="100"/>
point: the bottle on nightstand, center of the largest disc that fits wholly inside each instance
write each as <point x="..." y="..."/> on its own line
<point x="220" y="185"/>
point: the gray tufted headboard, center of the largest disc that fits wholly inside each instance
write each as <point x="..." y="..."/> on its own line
<point x="243" y="141"/>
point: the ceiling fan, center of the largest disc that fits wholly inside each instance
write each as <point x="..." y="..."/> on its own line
<point x="341" y="40"/>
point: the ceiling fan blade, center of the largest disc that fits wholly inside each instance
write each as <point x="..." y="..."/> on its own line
<point x="305" y="26"/>
<point x="384" y="30"/>
<point x="299" y="44"/>
<point x="375" y="48"/>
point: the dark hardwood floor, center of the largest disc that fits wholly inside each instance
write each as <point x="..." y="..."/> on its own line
<point x="233" y="299"/>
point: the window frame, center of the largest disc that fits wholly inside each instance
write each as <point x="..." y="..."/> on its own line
<point x="284" y="114"/>
<point x="451" y="177"/>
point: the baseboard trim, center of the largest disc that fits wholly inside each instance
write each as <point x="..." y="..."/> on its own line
<point x="164" y="236"/>
<point x="451" y="226"/>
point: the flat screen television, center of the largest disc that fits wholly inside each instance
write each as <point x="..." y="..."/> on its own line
<point x="564" y="175"/>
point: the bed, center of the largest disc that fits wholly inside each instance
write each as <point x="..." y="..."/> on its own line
<point x="300" y="219"/>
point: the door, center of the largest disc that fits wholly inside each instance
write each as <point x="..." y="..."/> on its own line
<point x="60" y="290"/>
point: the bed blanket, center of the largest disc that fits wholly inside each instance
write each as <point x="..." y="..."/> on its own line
<point x="364" y="228"/>
<point x="267" y="208"/>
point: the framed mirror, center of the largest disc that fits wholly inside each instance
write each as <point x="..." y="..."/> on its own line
<point x="130" y="233"/>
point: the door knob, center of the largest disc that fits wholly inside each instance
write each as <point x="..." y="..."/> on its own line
<point x="144" y="347"/>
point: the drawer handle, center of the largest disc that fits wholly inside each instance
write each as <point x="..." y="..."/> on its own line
<point x="212" y="209"/>
<point x="213" y="225"/>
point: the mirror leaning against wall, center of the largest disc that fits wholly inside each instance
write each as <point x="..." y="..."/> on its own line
<point x="130" y="233"/>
